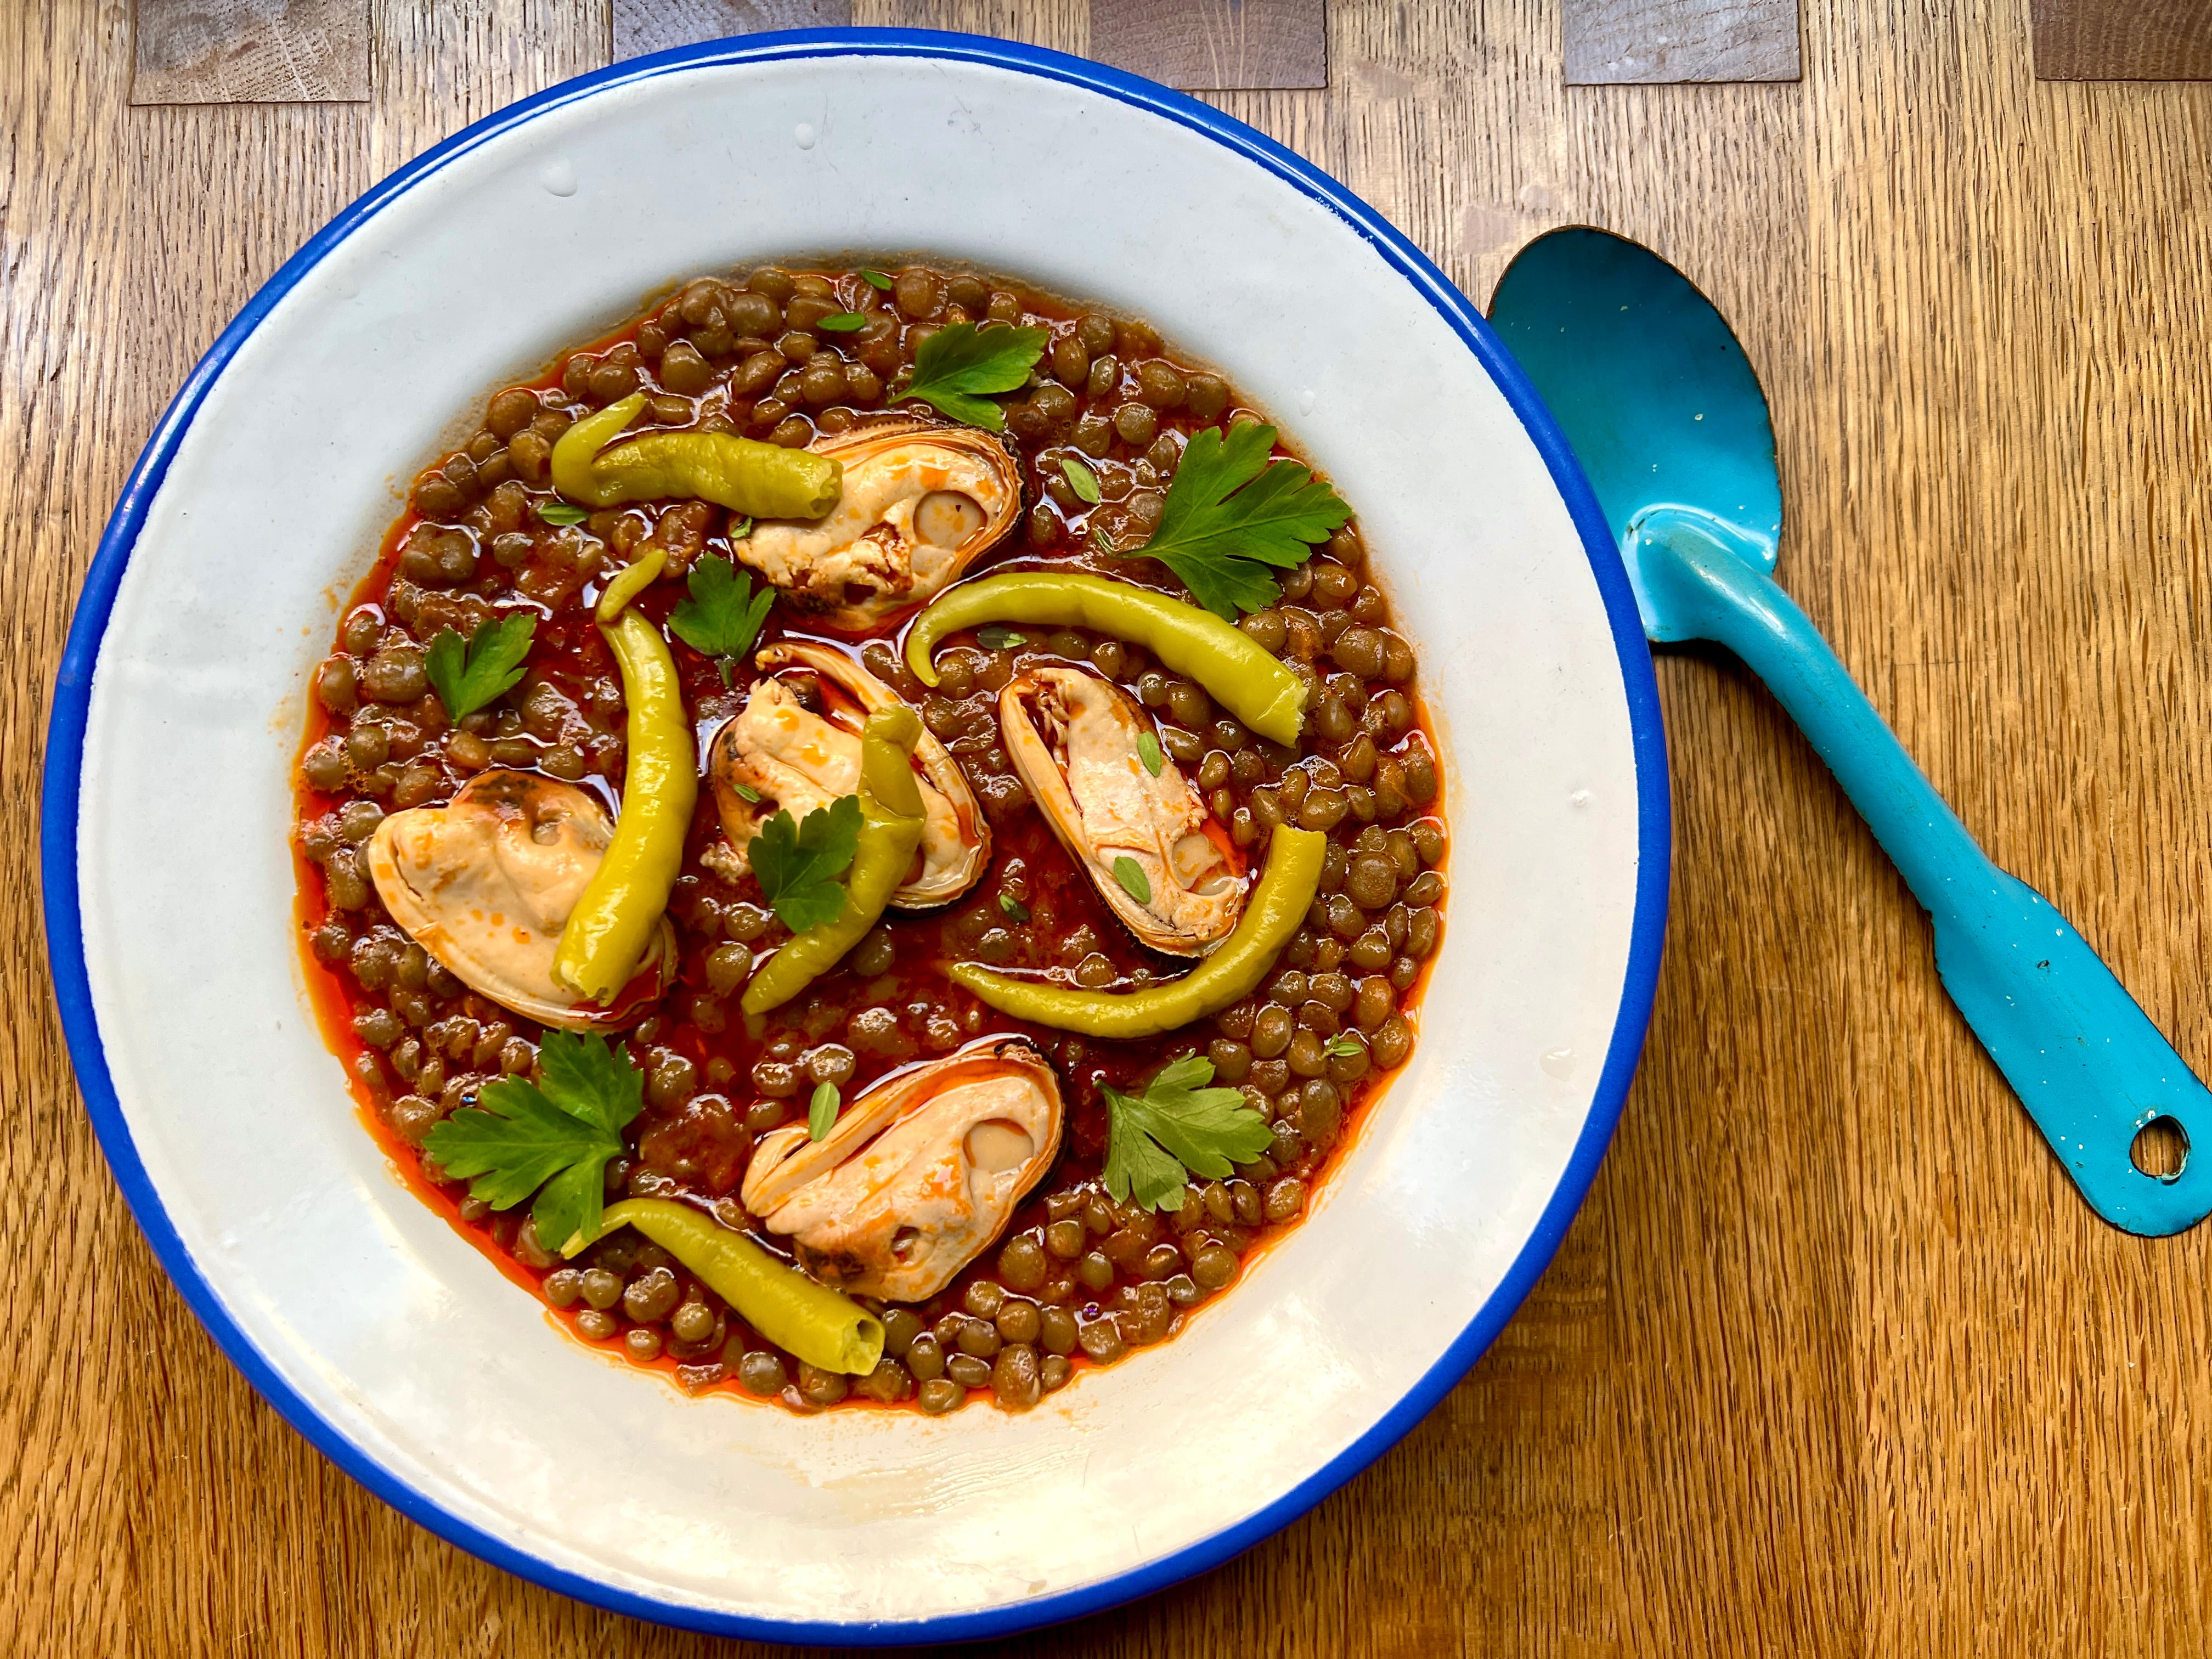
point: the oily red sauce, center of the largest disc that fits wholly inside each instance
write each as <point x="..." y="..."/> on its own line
<point x="712" y="1088"/>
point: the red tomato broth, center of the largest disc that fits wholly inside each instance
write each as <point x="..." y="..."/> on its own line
<point x="694" y="1148"/>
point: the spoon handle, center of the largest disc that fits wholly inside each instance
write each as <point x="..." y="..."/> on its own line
<point x="2083" y="1058"/>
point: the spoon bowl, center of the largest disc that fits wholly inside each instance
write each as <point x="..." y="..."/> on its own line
<point x="1652" y="389"/>
<point x="1662" y="409"/>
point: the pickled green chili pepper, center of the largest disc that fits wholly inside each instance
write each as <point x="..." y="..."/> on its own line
<point x="1275" y="911"/>
<point x="1237" y="673"/>
<point x="890" y="833"/>
<point x="783" y="1305"/>
<point x="761" y="480"/>
<point x="630" y="582"/>
<point x="607" y="932"/>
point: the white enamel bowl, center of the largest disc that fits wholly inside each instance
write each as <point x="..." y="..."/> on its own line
<point x="385" y="1337"/>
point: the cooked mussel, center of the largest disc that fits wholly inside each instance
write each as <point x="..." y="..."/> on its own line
<point x="485" y="885"/>
<point x="920" y="1175"/>
<point x="920" y="503"/>
<point x="775" y="752"/>
<point x="1076" y="741"/>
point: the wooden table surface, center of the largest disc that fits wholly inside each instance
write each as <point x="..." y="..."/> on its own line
<point x="1833" y="1361"/>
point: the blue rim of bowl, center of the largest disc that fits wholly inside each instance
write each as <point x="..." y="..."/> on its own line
<point x="66" y="752"/>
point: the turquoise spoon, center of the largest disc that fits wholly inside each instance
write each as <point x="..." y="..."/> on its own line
<point x="1662" y="410"/>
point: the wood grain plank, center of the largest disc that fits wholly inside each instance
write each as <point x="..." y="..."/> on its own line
<point x="115" y="1377"/>
<point x="440" y="66"/>
<point x="2006" y="560"/>
<point x="1215" y="45"/>
<point x="251" y="51"/>
<point x="644" y="26"/>
<point x="2122" y="39"/>
<point x="1669" y="42"/>
<point x="1062" y="25"/>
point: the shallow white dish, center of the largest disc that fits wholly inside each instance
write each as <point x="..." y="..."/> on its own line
<point x="387" y="1338"/>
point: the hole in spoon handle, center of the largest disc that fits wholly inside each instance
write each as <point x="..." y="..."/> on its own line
<point x="2161" y="1148"/>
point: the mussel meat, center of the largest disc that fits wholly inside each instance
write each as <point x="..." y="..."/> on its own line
<point x="485" y="885"/>
<point x="920" y="1175"/>
<point x="777" y="753"/>
<point x="920" y="503"/>
<point x="1142" y="835"/>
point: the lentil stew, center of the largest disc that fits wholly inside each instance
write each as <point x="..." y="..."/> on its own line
<point x="598" y="717"/>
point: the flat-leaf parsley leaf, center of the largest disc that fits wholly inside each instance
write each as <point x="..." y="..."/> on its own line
<point x="799" y="864"/>
<point x="1176" y="1128"/>
<point x="723" y="617"/>
<point x="1148" y="751"/>
<point x="1231" y="512"/>
<point x="960" y="363"/>
<point x="844" y="322"/>
<point x="552" y="1138"/>
<point x="560" y="512"/>
<point x="1080" y="479"/>
<point x="875" y="279"/>
<point x="467" y="677"/>
<point x="1134" y="881"/>
<point x="822" y="1111"/>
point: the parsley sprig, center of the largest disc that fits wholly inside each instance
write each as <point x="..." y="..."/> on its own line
<point x="723" y="617"/>
<point x="797" y="864"/>
<point x="1176" y="1128"/>
<point x="1230" y="512"/>
<point x="960" y="364"/>
<point x="552" y="1138"/>
<point x="467" y="677"/>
